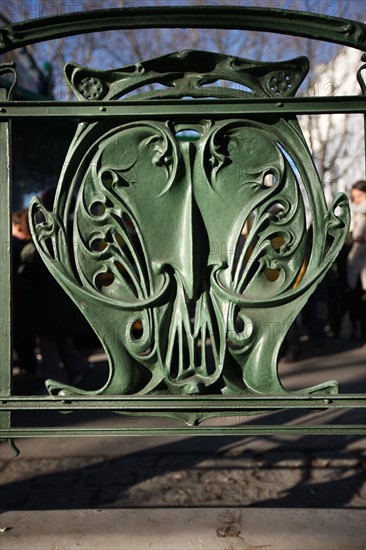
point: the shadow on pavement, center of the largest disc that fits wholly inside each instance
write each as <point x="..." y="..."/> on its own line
<point x="293" y="472"/>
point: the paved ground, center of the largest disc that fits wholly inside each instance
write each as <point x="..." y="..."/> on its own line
<point x="185" y="529"/>
<point x="203" y="492"/>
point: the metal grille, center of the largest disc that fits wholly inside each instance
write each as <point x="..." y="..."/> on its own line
<point x="156" y="182"/>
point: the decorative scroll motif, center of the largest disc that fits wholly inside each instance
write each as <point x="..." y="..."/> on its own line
<point x="183" y="302"/>
<point x="190" y="74"/>
<point x="8" y="68"/>
<point x="360" y="77"/>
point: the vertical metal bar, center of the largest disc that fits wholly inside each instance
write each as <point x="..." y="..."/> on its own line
<point x="5" y="266"/>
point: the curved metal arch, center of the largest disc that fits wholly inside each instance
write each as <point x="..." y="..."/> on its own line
<point x="331" y="29"/>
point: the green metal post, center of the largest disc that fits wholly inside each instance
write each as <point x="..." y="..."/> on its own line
<point x="5" y="265"/>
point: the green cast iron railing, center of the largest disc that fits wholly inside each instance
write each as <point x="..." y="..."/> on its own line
<point x="181" y="199"/>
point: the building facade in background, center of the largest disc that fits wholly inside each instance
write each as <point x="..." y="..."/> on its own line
<point x="337" y="141"/>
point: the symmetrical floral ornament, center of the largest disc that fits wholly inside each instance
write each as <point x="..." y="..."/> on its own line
<point x="183" y="300"/>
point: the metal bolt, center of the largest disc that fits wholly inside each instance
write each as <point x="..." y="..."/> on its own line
<point x="102" y="109"/>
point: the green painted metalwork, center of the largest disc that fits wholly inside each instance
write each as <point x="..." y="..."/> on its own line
<point x="132" y="110"/>
<point x="158" y="224"/>
<point x="5" y="267"/>
<point x="309" y="25"/>
<point x="191" y="312"/>
<point x="193" y="430"/>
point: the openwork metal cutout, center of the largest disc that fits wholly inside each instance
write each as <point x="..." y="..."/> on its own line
<point x="180" y="223"/>
<point x="159" y="265"/>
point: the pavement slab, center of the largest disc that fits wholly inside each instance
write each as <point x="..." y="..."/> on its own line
<point x="184" y="529"/>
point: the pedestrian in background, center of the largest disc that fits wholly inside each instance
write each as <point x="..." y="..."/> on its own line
<point x="356" y="261"/>
<point x="55" y="318"/>
<point x="24" y="337"/>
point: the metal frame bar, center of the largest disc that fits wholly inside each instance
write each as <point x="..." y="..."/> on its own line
<point x="227" y="406"/>
<point x="5" y="264"/>
<point x="307" y="25"/>
<point x="186" y="108"/>
<point x="209" y="403"/>
<point x="340" y="429"/>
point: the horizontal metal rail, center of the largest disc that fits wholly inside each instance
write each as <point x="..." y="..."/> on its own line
<point x="330" y="429"/>
<point x="184" y="108"/>
<point x="211" y="404"/>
